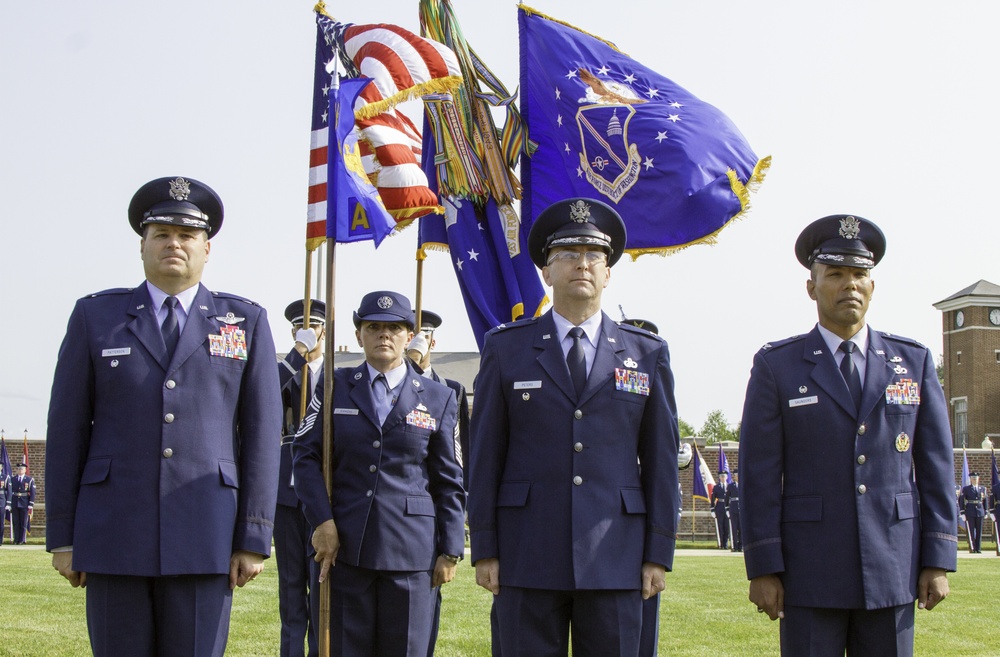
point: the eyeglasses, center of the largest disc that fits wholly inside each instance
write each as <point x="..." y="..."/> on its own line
<point x="573" y="257"/>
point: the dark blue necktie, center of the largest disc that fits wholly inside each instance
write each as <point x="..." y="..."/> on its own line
<point x="576" y="360"/>
<point x="850" y="372"/>
<point x="171" y="329"/>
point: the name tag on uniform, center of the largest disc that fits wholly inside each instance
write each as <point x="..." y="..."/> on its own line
<point x="803" y="401"/>
<point x="345" y="411"/>
<point x="527" y="385"/>
<point x="121" y="351"/>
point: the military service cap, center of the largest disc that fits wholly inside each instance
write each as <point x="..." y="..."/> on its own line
<point x="384" y="306"/>
<point x="296" y="311"/>
<point x="643" y="324"/>
<point x="841" y="240"/>
<point x="577" y="222"/>
<point x="176" y="201"/>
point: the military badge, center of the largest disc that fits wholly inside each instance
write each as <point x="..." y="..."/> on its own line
<point x="231" y="342"/>
<point x="230" y="318"/>
<point x="803" y="389"/>
<point x="899" y="369"/>
<point x="420" y="419"/>
<point x="850" y="228"/>
<point x="180" y="189"/>
<point x="631" y="363"/>
<point x="904" y="391"/>
<point x="526" y="396"/>
<point x="384" y="302"/>
<point x="902" y="442"/>
<point x="632" y="381"/>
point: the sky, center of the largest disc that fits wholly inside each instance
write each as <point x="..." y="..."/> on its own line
<point x="882" y="109"/>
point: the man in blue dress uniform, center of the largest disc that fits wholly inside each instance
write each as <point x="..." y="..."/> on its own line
<point x="394" y="523"/>
<point x="297" y="602"/>
<point x="5" y="496"/>
<point x="846" y="458"/>
<point x="162" y="448"/>
<point x="22" y="502"/>
<point x="972" y="502"/>
<point x="733" y="509"/>
<point x="718" y="501"/>
<point x="573" y="495"/>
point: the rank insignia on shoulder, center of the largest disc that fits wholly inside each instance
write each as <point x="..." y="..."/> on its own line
<point x="631" y="363"/>
<point x="230" y="318"/>
<point x="231" y="342"/>
<point x="421" y="419"/>
<point x="904" y="391"/>
<point x="632" y="381"/>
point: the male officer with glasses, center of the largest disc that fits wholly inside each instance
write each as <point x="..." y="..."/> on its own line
<point x="573" y="498"/>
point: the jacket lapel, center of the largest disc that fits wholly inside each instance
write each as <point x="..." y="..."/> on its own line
<point x="825" y="372"/>
<point x="609" y="344"/>
<point x="200" y="323"/>
<point x="361" y="393"/>
<point x="410" y="391"/>
<point x="551" y="357"/>
<point x="878" y="372"/>
<point x="144" y="325"/>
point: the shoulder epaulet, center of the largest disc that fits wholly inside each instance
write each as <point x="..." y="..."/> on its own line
<point x="111" y="292"/>
<point x="901" y="338"/>
<point x="633" y="330"/>
<point x="234" y="297"/>
<point x="771" y="346"/>
<point x="521" y="323"/>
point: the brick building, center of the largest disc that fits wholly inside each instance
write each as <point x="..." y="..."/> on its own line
<point x="970" y="322"/>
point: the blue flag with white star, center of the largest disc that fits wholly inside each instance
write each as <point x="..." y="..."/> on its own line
<point x="675" y="168"/>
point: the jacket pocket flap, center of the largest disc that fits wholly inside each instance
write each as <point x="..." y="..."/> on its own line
<point x="513" y="493"/>
<point x="419" y="506"/>
<point x="634" y="500"/>
<point x="227" y="470"/>
<point x="906" y="506"/>
<point x="802" y="509"/>
<point x="95" y="471"/>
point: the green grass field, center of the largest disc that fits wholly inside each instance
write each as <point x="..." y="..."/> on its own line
<point x="704" y="612"/>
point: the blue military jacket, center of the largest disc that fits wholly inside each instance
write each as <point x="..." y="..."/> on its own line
<point x="556" y="490"/>
<point x="157" y="467"/>
<point x="847" y="507"/>
<point x="398" y="500"/>
<point x="290" y="376"/>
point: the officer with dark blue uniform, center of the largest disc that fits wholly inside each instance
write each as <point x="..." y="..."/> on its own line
<point x="162" y="447"/>
<point x="718" y="502"/>
<point x="573" y="482"/>
<point x="297" y="602"/>
<point x="733" y="509"/>
<point x="22" y="502"/>
<point x="5" y="497"/>
<point x="972" y="501"/>
<point x="394" y="527"/>
<point x="846" y="461"/>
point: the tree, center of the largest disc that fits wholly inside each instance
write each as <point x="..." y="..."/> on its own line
<point x="684" y="428"/>
<point x="716" y="429"/>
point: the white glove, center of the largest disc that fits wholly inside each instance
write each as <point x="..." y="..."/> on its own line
<point x="419" y="344"/>
<point x="307" y="338"/>
<point x="713" y="514"/>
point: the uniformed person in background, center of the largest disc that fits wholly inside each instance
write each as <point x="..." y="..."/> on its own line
<point x="566" y="531"/>
<point x="22" y="503"/>
<point x="419" y="352"/>
<point x="162" y="447"/>
<point x="972" y="502"/>
<point x="718" y="503"/>
<point x="5" y="497"/>
<point x="733" y="509"/>
<point x="394" y="528"/>
<point x="293" y="553"/>
<point x="846" y="461"/>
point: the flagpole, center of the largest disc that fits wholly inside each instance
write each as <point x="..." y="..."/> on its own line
<point x="419" y="300"/>
<point x="304" y="386"/>
<point x="331" y="276"/>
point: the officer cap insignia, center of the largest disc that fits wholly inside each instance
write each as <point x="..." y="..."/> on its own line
<point x="850" y="228"/>
<point x="579" y="212"/>
<point x="180" y="189"/>
<point x="385" y="303"/>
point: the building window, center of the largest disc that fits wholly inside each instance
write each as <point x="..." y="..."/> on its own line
<point x="958" y="357"/>
<point x="961" y="406"/>
<point x="996" y="352"/>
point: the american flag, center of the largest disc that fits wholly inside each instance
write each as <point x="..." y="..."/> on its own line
<point x="402" y="66"/>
